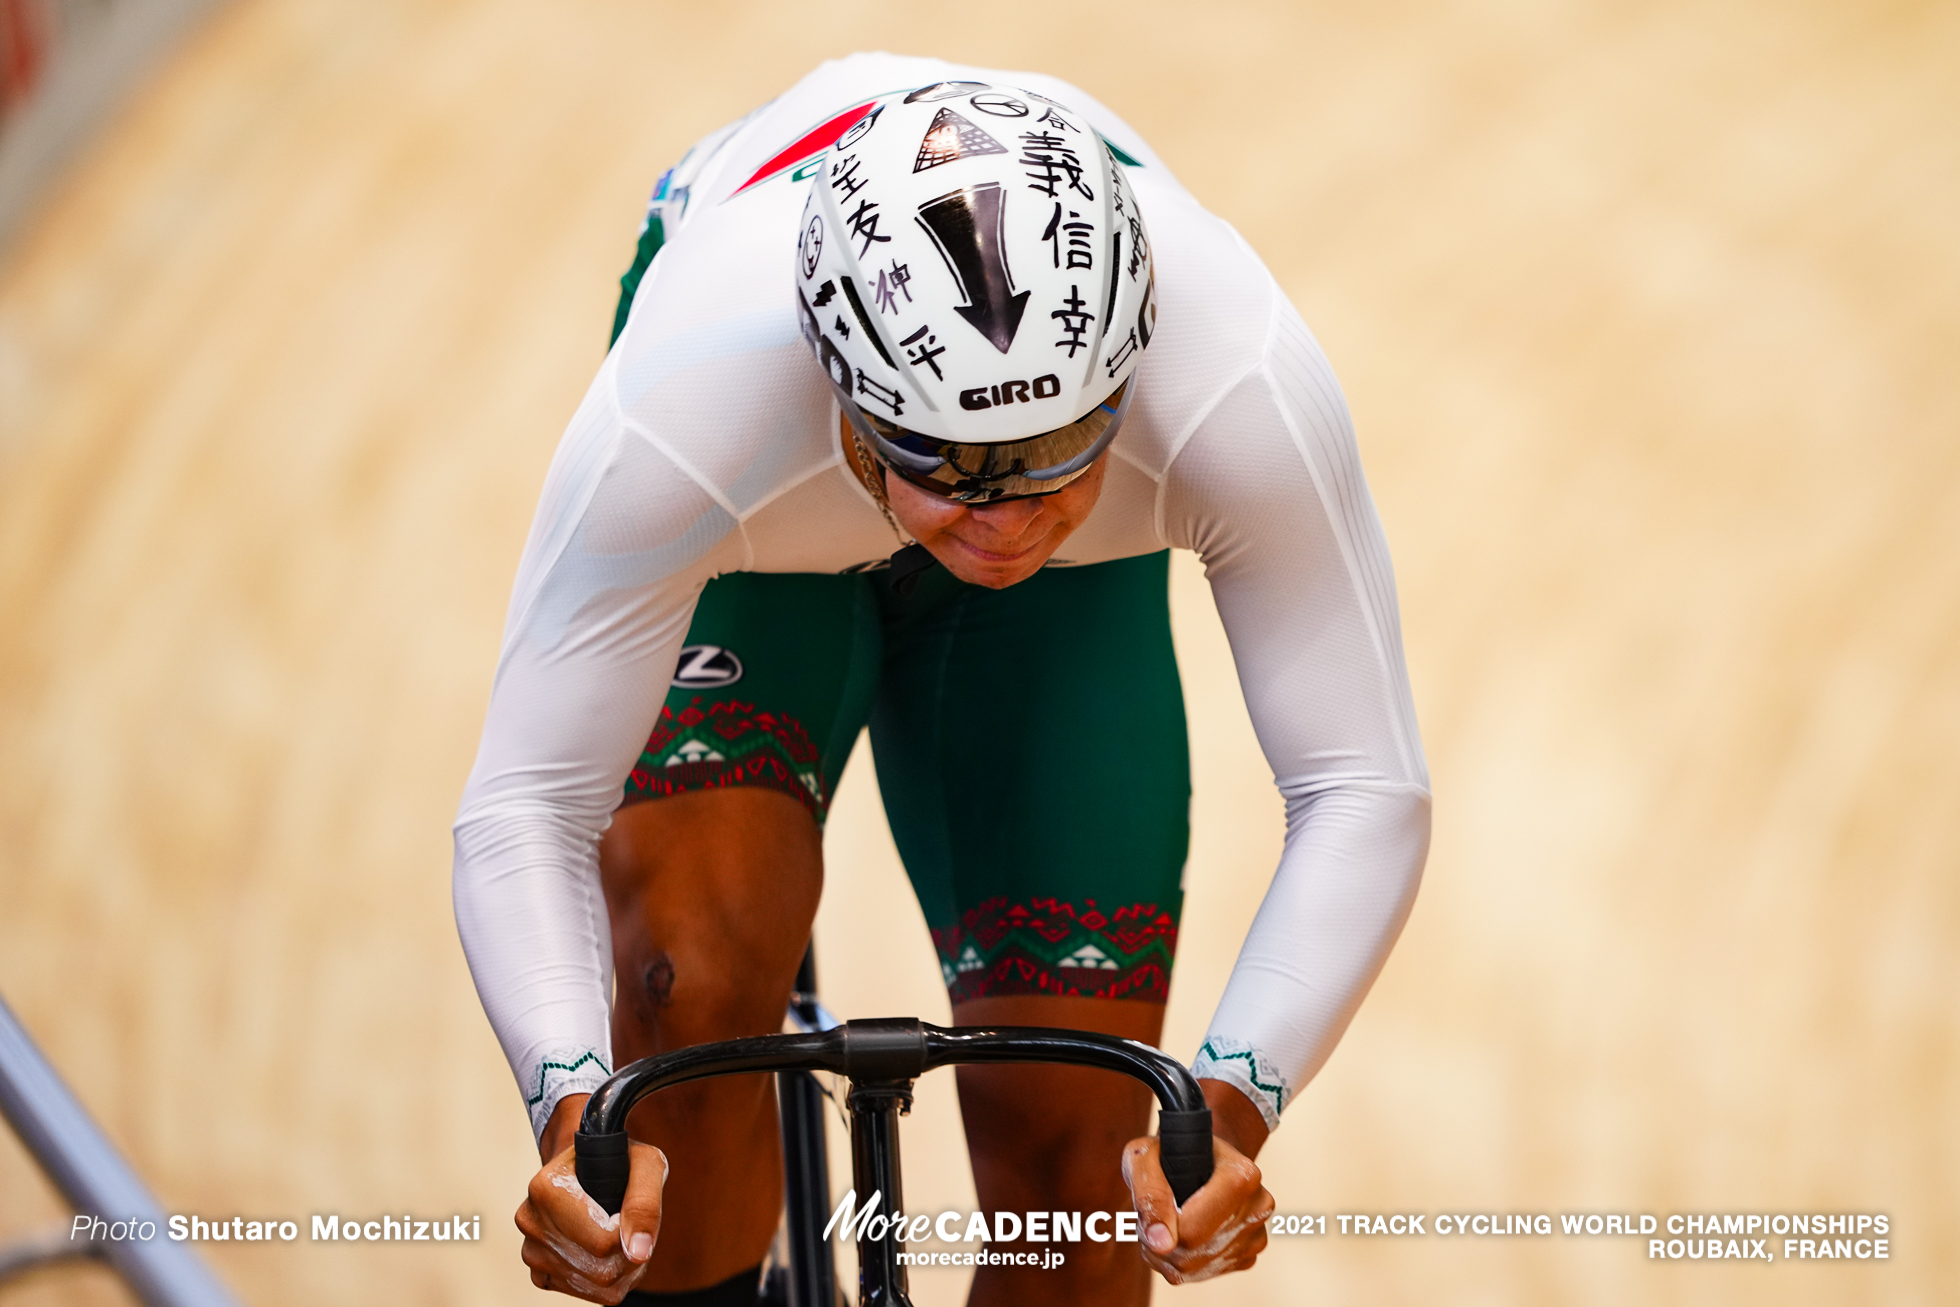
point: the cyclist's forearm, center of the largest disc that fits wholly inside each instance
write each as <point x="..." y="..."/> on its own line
<point x="533" y="926"/>
<point x="1337" y="903"/>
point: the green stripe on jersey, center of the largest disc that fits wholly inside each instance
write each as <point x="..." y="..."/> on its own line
<point x="652" y="236"/>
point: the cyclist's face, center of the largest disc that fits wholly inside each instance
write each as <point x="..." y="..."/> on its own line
<point x="995" y="544"/>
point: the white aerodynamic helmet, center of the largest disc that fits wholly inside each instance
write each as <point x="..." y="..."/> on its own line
<point x="975" y="279"/>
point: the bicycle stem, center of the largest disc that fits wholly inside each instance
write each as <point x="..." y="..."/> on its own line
<point x="875" y="1109"/>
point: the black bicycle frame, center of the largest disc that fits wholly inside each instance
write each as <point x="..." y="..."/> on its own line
<point x="881" y="1058"/>
<point x="810" y="1276"/>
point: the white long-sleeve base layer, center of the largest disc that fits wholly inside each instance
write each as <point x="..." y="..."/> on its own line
<point x="708" y="443"/>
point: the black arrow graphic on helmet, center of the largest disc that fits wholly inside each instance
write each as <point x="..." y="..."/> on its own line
<point x="966" y="226"/>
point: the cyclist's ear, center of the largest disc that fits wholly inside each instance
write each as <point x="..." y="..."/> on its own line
<point x="639" y="1215"/>
<point x="1157" y="1215"/>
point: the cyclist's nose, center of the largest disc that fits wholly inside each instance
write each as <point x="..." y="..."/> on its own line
<point x="1009" y="517"/>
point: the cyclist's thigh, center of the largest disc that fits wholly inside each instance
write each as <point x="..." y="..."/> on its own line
<point x="771" y="690"/>
<point x="1031" y="751"/>
<point x="713" y="864"/>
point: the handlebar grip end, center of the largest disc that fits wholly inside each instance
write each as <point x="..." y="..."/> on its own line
<point x="602" y="1163"/>
<point x="1184" y="1142"/>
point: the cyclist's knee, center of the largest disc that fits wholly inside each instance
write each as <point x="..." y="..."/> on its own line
<point x="679" y="991"/>
<point x="711" y="897"/>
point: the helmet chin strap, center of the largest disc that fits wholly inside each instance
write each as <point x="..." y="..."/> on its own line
<point x="912" y="560"/>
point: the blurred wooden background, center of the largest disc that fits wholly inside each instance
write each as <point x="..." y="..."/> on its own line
<point x="1648" y="315"/>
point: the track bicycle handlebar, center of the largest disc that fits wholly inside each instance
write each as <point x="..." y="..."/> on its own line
<point x="886" y="1055"/>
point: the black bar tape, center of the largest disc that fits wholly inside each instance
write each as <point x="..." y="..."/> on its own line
<point x="602" y="1163"/>
<point x="1184" y="1143"/>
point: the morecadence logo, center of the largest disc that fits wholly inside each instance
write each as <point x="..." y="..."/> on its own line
<point x="850" y="1223"/>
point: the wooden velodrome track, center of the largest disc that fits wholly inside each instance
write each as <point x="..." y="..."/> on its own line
<point x="1647" y="317"/>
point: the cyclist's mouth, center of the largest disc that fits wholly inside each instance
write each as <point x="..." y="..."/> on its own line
<point x="995" y="557"/>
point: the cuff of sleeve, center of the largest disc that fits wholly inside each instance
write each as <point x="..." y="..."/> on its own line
<point x="578" y="1071"/>
<point x="1238" y="1063"/>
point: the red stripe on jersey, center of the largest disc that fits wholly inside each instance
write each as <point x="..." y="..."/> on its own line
<point x="820" y="139"/>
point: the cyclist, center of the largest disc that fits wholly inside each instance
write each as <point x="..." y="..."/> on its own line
<point x="912" y="306"/>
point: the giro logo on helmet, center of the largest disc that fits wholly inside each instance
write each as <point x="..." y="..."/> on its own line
<point x="1009" y="391"/>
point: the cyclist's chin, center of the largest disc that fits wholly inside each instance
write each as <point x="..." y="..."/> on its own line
<point x="994" y="570"/>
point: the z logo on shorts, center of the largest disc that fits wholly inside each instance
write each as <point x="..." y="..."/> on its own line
<point x="706" y="666"/>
